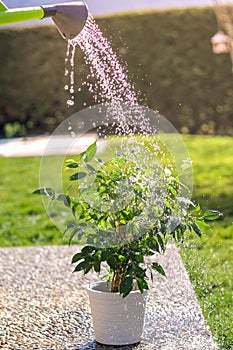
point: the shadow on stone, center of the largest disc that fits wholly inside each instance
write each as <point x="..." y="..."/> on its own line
<point x="97" y="346"/>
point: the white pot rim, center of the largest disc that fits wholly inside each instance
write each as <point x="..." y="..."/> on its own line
<point x="92" y="288"/>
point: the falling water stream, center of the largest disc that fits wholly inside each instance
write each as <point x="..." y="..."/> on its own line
<point x="111" y="77"/>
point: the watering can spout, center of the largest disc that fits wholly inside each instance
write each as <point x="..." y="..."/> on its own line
<point x="69" y="18"/>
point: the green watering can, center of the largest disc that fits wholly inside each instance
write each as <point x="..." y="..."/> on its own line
<point x="69" y="18"/>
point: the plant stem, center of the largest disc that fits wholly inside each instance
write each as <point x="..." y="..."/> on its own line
<point x="117" y="279"/>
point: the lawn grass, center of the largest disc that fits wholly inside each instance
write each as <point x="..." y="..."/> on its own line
<point x="209" y="263"/>
<point x="208" y="260"/>
<point x="23" y="217"/>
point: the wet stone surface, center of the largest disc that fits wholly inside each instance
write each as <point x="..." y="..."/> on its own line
<point x="44" y="306"/>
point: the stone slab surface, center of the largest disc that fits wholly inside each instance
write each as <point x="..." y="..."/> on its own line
<point x="44" y="306"/>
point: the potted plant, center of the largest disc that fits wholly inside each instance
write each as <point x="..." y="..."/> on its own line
<point x="120" y="224"/>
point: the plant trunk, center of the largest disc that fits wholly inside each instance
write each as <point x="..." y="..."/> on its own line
<point x="117" y="279"/>
<point x="117" y="276"/>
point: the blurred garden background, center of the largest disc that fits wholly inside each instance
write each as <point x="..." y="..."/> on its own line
<point x="171" y="63"/>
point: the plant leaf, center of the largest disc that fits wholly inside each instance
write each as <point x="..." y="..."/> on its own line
<point x="126" y="286"/>
<point x="97" y="264"/>
<point x="90" y="168"/>
<point x="139" y="257"/>
<point x="78" y="176"/>
<point x="211" y="215"/>
<point x="90" y="152"/>
<point x="71" y="163"/>
<point x="66" y="199"/>
<point x="87" y="250"/>
<point x="196" y="229"/>
<point x="76" y="258"/>
<point x="80" y="156"/>
<point x="47" y="191"/>
<point x="81" y="266"/>
<point x="153" y="244"/>
<point x="142" y="284"/>
<point x="155" y="266"/>
<point x="161" y="243"/>
<point x="85" y="265"/>
<point x="201" y="223"/>
<point x="112" y="262"/>
<point x="197" y="208"/>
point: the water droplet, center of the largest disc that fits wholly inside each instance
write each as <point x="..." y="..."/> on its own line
<point x="70" y="102"/>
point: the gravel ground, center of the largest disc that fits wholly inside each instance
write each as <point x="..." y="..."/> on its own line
<point x="44" y="306"/>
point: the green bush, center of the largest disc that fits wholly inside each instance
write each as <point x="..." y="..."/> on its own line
<point x="169" y="59"/>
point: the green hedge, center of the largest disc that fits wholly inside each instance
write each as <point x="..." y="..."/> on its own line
<point x="169" y="59"/>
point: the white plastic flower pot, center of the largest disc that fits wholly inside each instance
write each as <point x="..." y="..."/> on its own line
<point x="116" y="320"/>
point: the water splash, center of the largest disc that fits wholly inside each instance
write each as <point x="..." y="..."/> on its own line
<point x="69" y="63"/>
<point x="150" y="157"/>
<point x="118" y="113"/>
<point x="111" y="76"/>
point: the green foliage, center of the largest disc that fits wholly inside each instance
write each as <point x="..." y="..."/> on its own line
<point x="115" y="236"/>
<point x="169" y="57"/>
<point x="209" y="262"/>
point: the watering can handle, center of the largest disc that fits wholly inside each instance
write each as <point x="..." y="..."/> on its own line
<point x="3" y="7"/>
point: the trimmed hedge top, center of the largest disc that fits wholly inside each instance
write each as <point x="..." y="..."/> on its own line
<point x="169" y="58"/>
